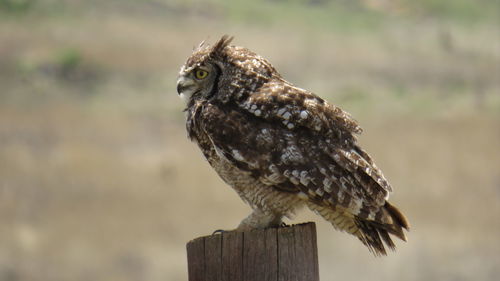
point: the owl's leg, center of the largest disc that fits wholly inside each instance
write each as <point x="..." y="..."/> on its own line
<point x="260" y="219"/>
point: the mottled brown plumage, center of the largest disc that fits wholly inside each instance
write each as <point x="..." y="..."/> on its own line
<point x="281" y="147"/>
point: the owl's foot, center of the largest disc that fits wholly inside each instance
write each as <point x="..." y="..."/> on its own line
<point x="219" y="231"/>
<point x="260" y="220"/>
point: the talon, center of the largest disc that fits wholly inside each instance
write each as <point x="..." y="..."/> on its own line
<point x="218" y="231"/>
<point x="283" y="224"/>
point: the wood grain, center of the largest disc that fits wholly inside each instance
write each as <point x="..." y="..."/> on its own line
<point x="275" y="254"/>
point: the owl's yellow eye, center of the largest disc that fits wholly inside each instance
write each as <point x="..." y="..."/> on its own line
<point x="200" y="73"/>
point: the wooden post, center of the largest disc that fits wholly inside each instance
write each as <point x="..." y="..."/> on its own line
<point x="275" y="254"/>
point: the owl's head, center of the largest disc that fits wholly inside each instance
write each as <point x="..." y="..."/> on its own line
<point x="221" y="72"/>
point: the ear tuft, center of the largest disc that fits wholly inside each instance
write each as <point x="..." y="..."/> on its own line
<point x="221" y="44"/>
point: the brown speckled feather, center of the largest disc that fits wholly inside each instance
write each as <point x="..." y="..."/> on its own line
<point x="281" y="147"/>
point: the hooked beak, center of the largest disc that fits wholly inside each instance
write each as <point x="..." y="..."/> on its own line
<point x="179" y="88"/>
<point x="185" y="88"/>
<point x="184" y="85"/>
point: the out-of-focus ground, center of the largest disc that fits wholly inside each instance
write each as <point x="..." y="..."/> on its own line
<point x="98" y="180"/>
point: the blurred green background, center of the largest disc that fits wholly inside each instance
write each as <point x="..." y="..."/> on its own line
<point x="99" y="182"/>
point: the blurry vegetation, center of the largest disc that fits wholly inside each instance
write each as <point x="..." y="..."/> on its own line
<point x="15" y="6"/>
<point x="423" y="31"/>
<point x="344" y="13"/>
<point x="320" y="13"/>
<point x="68" y="61"/>
<point x="459" y="10"/>
<point x="70" y="67"/>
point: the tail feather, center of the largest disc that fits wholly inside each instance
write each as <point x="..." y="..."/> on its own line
<point x="375" y="234"/>
<point x="397" y="216"/>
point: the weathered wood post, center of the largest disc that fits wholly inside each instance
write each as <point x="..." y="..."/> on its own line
<point x="275" y="254"/>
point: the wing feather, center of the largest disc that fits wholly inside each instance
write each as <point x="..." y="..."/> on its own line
<point x="294" y="107"/>
<point x="316" y="155"/>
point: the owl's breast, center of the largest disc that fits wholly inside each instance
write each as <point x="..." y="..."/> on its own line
<point x="250" y="189"/>
<point x="202" y="119"/>
<point x="214" y="129"/>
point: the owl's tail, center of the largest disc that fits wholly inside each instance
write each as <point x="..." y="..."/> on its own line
<point x="375" y="234"/>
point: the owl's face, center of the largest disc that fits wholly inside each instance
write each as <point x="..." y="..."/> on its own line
<point x="198" y="80"/>
<point x="222" y="72"/>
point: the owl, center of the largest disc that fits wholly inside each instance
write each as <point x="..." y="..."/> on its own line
<point x="281" y="147"/>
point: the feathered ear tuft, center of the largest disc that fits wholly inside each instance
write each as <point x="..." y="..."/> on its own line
<point x="221" y="44"/>
<point x="200" y="46"/>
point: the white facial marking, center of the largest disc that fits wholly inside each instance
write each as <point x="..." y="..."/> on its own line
<point x="184" y="98"/>
<point x="187" y="92"/>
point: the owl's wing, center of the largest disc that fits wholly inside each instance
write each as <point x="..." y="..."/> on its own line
<point x="312" y="153"/>
<point x="293" y="107"/>
<point x="301" y="111"/>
